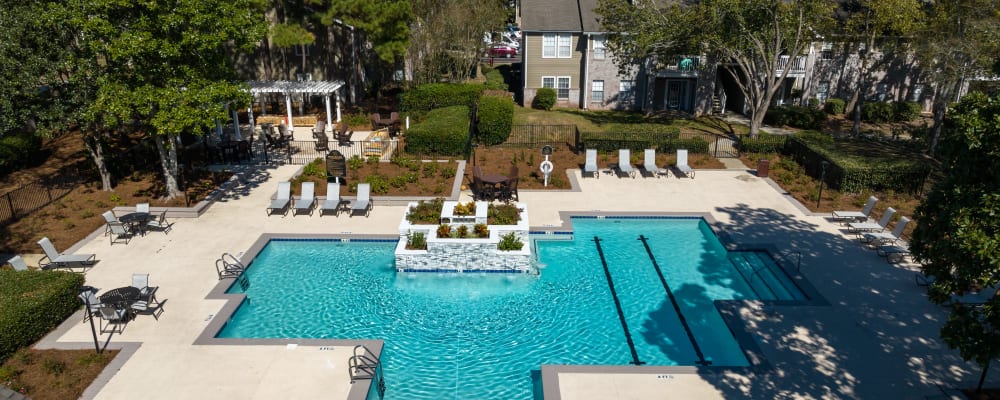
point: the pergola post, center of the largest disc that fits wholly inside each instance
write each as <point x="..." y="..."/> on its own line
<point x="329" y="123"/>
<point x="236" y="124"/>
<point x="250" y="114"/>
<point x="337" y="98"/>
<point x="218" y="129"/>
<point x="288" y="108"/>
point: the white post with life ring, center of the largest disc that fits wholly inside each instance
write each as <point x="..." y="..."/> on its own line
<point x="546" y="166"/>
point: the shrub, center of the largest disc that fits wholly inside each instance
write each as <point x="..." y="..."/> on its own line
<point x="445" y="131"/>
<point x="796" y="116"/>
<point x="398" y="181"/>
<point x="447" y="172"/>
<point x="426" y="212"/>
<point x="905" y="111"/>
<point x="32" y="303"/>
<point x="481" y="230"/>
<point x="503" y="214"/>
<point x="379" y="184"/>
<point x="355" y="162"/>
<point x="430" y="169"/>
<point x="762" y="144"/>
<point x="18" y="151"/>
<point x="416" y="241"/>
<point x="495" y="81"/>
<point x="356" y="120"/>
<point x="494" y="119"/>
<point x="462" y="231"/>
<point x="315" y="168"/>
<point x="545" y="98"/>
<point x="834" y="106"/>
<point x="877" y="112"/>
<point x="440" y="95"/>
<point x="444" y="231"/>
<point x="510" y="242"/>
<point x="695" y="145"/>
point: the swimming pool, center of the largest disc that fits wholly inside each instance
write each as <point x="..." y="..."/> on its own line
<point x="481" y="336"/>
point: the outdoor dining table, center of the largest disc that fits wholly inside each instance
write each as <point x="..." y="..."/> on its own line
<point x="494" y="180"/>
<point x="122" y="297"/>
<point x="136" y="220"/>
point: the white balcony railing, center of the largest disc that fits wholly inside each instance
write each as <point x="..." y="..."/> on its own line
<point x="797" y="65"/>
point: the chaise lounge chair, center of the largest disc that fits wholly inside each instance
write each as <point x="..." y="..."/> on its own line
<point x="897" y="251"/>
<point x="862" y="227"/>
<point x="857" y="216"/>
<point x="590" y="166"/>
<point x="649" y="164"/>
<point x="886" y="238"/>
<point x="363" y="203"/>
<point x="281" y="200"/>
<point x="305" y="201"/>
<point x="18" y="263"/>
<point x="625" y="163"/>
<point x="682" y="163"/>
<point x="55" y="259"/>
<point x="333" y="201"/>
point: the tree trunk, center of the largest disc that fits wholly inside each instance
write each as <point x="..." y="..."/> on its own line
<point x="756" y="120"/>
<point x="856" y="128"/>
<point x="941" y="96"/>
<point x="982" y="378"/>
<point x="97" y="154"/>
<point x="168" y="159"/>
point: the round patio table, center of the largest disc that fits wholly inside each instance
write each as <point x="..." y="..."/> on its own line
<point x="136" y="220"/>
<point x="123" y="297"/>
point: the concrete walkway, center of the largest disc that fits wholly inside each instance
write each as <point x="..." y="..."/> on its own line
<point x="878" y="338"/>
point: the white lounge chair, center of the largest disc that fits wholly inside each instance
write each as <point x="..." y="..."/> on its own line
<point x="886" y="238"/>
<point x="590" y="166"/>
<point x="305" y="201"/>
<point x="895" y="251"/>
<point x="281" y="200"/>
<point x="18" y="263"/>
<point x="333" y="201"/>
<point x="55" y="259"/>
<point x="649" y="164"/>
<point x="682" y="163"/>
<point x="862" y="227"/>
<point x="363" y="203"/>
<point x="857" y="216"/>
<point x="625" y="162"/>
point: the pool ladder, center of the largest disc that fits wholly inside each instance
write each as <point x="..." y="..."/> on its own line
<point x="366" y="365"/>
<point x="228" y="266"/>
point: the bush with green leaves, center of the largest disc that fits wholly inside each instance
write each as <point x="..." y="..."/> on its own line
<point x="795" y="116"/>
<point x="18" y="151"/>
<point x="32" y="303"/>
<point x="379" y="183"/>
<point x="834" y="106"/>
<point x="510" y="242"/>
<point x="906" y="111"/>
<point x="495" y="81"/>
<point x="503" y="214"/>
<point x="440" y="95"/>
<point x="762" y="144"/>
<point x="495" y="117"/>
<point x="355" y="162"/>
<point x="545" y="98"/>
<point x="416" y="241"/>
<point x="426" y="212"/>
<point x="444" y="131"/>
<point x="877" y="112"/>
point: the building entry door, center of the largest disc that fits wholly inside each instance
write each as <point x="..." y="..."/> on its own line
<point x="676" y="94"/>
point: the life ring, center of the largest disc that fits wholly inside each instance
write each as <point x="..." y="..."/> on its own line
<point x="546" y="167"/>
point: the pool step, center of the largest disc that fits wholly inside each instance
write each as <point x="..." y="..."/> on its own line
<point x="765" y="278"/>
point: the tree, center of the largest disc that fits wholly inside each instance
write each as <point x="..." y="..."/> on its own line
<point x="959" y="41"/>
<point x="386" y="23"/>
<point x="164" y="66"/>
<point x="878" y="29"/>
<point x="957" y="238"/>
<point x="749" y="37"/>
<point x="447" y="37"/>
<point x="291" y="35"/>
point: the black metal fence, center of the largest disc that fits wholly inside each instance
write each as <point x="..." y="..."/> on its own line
<point x="20" y="202"/>
<point x="299" y="152"/>
<point x="666" y="140"/>
<point x="536" y="136"/>
<point x="909" y="178"/>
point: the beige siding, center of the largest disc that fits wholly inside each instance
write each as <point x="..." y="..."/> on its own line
<point x="537" y="67"/>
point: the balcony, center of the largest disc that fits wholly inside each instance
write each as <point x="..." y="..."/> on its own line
<point x="796" y="67"/>
<point x="679" y="66"/>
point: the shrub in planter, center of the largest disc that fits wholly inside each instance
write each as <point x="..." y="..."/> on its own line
<point x="444" y="131"/>
<point x="834" y="106"/>
<point x="503" y="214"/>
<point x="495" y="117"/>
<point x="462" y="231"/>
<point x="440" y="95"/>
<point x="545" y="98"/>
<point x="444" y="231"/>
<point x="379" y="184"/>
<point x="416" y="241"/>
<point x="32" y="303"/>
<point x="481" y="230"/>
<point x="426" y="212"/>
<point x="510" y="242"/>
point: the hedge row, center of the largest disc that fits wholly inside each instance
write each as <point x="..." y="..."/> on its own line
<point x="904" y="176"/>
<point x="495" y="81"/>
<point x="18" y="151"/>
<point x="796" y="116"/>
<point x="495" y="117"/>
<point x="834" y="106"/>
<point x="439" y="95"/>
<point x="444" y="131"/>
<point x="32" y="303"/>
<point x="762" y="144"/>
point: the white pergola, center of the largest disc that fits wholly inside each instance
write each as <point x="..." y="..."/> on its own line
<point x="326" y="88"/>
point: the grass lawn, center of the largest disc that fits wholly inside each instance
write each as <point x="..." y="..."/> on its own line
<point x="597" y="120"/>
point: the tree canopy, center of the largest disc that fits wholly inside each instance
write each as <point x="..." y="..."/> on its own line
<point x="386" y="23"/>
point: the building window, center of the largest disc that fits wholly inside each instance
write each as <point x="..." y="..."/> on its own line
<point x="826" y="51"/>
<point x="916" y="92"/>
<point x="600" y="51"/>
<point x="559" y="83"/>
<point x="625" y="89"/>
<point x="597" y="91"/>
<point x="556" y="45"/>
<point x="823" y="91"/>
<point x="881" y="91"/>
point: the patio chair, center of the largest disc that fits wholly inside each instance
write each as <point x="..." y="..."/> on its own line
<point x="590" y="165"/>
<point x="884" y="238"/>
<point x="142" y="208"/>
<point x="91" y="303"/>
<point x="924" y="280"/>
<point x="332" y="201"/>
<point x="319" y="129"/>
<point x="363" y="203"/>
<point x="147" y="296"/>
<point x="625" y="163"/>
<point x="285" y="134"/>
<point x="862" y="227"/>
<point x="508" y="189"/>
<point x="322" y="144"/>
<point x="480" y="190"/>
<point x="305" y="201"/>
<point x="897" y="251"/>
<point x="682" y="163"/>
<point x="109" y="217"/>
<point x="55" y="259"/>
<point x="649" y="164"/>
<point x="282" y="198"/>
<point x="857" y="216"/>
<point x="376" y="121"/>
<point x="343" y="136"/>
<point x="114" y="318"/>
<point x="160" y="223"/>
<point x="18" y="263"/>
<point x="119" y="232"/>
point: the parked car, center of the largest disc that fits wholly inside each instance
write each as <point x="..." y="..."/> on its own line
<point x="502" y="50"/>
<point x="514" y="31"/>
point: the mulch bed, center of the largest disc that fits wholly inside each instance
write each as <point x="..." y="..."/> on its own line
<point x="53" y="374"/>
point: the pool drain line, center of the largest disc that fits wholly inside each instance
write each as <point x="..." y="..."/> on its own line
<point x="677" y="307"/>
<point x="618" y="304"/>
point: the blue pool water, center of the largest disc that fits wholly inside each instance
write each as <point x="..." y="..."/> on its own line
<point x="472" y="336"/>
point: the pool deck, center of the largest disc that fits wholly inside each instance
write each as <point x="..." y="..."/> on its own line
<point x="877" y="338"/>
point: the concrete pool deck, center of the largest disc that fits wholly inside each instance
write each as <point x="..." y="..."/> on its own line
<point x="878" y="338"/>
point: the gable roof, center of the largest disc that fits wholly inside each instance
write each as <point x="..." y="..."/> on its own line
<point x="559" y="16"/>
<point x="588" y="17"/>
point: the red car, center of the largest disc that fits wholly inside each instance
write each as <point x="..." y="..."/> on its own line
<point x="502" y="50"/>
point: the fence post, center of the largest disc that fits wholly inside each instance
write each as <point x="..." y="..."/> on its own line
<point x="48" y="190"/>
<point x="576" y="139"/>
<point x="288" y="150"/>
<point x="10" y="203"/>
